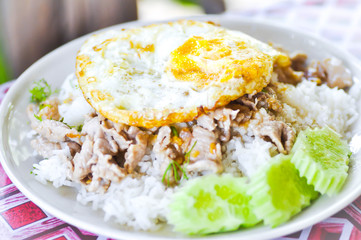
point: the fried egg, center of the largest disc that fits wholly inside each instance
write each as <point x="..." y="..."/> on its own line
<point x="172" y="72"/>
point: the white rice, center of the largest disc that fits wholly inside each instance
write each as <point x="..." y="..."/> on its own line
<point x="55" y="169"/>
<point x="138" y="203"/>
<point x="141" y="203"/>
<point x="248" y="156"/>
<point x="320" y="105"/>
<point x="74" y="107"/>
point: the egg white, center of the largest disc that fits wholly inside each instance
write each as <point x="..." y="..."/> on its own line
<point x="131" y="71"/>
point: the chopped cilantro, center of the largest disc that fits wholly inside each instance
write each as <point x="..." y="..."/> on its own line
<point x="78" y="128"/>
<point x="40" y="92"/>
<point x="62" y="121"/>
<point x="174" y="131"/>
<point x="38" y="117"/>
<point x="31" y="172"/>
<point x="42" y="106"/>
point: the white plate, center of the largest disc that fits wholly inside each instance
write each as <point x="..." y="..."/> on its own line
<point x="54" y="67"/>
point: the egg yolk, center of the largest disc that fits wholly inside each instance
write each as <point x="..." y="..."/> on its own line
<point x="212" y="61"/>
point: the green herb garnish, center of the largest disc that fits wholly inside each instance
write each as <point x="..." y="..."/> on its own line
<point x="38" y="117"/>
<point x="62" y="121"/>
<point x="175" y="171"/>
<point x="173" y="164"/>
<point x="31" y="172"/>
<point x="40" y="92"/>
<point x="188" y="2"/>
<point x="188" y="154"/>
<point x="42" y="106"/>
<point x="78" y="128"/>
<point x="166" y="173"/>
<point x="182" y="169"/>
<point x="174" y="131"/>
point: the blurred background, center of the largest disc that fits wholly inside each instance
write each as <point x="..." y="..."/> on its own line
<point x="31" y="28"/>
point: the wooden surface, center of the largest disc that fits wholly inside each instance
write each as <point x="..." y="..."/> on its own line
<point x="31" y="28"/>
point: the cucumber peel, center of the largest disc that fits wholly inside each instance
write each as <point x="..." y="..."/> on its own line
<point x="278" y="192"/>
<point x="211" y="204"/>
<point x="322" y="157"/>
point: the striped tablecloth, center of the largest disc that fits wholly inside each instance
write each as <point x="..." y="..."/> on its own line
<point x="337" y="20"/>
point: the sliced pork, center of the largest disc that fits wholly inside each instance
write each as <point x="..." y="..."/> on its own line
<point x="277" y="132"/>
<point x="330" y="71"/>
<point x="205" y="154"/>
<point x="110" y="152"/>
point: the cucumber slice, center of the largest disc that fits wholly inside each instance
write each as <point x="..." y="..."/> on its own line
<point x="211" y="204"/>
<point x="322" y="157"/>
<point x="278" y="192"/>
